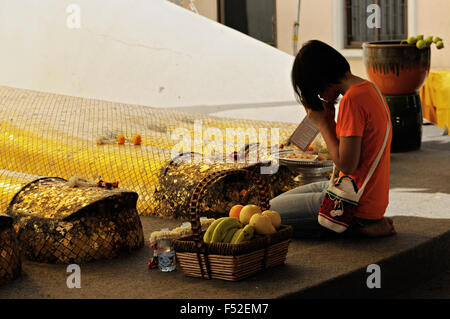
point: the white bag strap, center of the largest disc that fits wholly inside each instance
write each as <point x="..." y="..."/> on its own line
<point x="380" y="153"/>
<point x="331" y="183"/>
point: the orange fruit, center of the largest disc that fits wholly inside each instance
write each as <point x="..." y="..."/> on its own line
<point x="120" y="139"/>
<point x="235" y="211"/>
<point x="137" y="139"/>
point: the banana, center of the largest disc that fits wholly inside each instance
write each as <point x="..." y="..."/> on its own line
<point x="236" y="235"/>
<point x="222" y="228"/>
<point x="209" y="232"/>
<point x="243" y="234"/>
<point x="229" y="235"/>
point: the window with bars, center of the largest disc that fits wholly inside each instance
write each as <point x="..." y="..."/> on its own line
<point x="256" y="18"/>
<point x="394" y="24"/>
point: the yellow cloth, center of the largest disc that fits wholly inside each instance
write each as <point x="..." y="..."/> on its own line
<point x="435" y="97"/>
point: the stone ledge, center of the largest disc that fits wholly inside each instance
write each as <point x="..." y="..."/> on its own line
<point x="319" y="268"/>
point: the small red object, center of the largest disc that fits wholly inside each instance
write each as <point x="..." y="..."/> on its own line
<point x="152" y="263"/>
<point x="108" y="185"/>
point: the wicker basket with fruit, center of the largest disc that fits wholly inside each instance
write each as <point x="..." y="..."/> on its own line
<point x="232" y="248"/>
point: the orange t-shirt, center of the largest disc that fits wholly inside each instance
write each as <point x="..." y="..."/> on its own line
<point x="362" y="113"/>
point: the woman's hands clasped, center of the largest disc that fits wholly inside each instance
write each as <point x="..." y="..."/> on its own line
<point x="321" y="118"/>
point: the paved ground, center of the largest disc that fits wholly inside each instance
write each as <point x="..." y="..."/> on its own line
<point x="437" y="287"/>
<point x="314" y="268"/>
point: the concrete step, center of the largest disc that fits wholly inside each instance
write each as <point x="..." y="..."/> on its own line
<point x="314" y="268"/>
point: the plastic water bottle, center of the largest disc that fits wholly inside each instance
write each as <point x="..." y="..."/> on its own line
<point x="166" y="255"/>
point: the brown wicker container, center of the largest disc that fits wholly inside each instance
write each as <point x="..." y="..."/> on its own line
<point x="56" y="223"/>
<point x="180" y="176"/>
<point x="226" y="261"/>
<point x="10" y="261"/>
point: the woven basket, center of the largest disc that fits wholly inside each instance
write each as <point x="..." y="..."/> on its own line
<point x="226" y="261"/>
<point x="10" y="261"/>
<point x="179" y="177"/>
<point x="56" y="223"/>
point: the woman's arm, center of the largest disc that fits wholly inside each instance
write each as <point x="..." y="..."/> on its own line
<point x="344" y="153"/>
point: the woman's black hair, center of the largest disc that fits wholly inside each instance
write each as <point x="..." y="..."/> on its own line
<point x="317" y="66"/>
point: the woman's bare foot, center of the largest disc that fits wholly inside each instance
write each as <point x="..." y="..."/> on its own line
<point x="384" y="227"/>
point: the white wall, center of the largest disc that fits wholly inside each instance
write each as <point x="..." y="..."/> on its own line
<point x="148" y="52"/>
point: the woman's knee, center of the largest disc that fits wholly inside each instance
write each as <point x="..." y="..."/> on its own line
<point x="277" y="204"/>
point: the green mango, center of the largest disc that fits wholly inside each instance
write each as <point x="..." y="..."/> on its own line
<point x="421" y="44"/>
<point x="411" y="40"/>
<point x="436" y="39"/>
